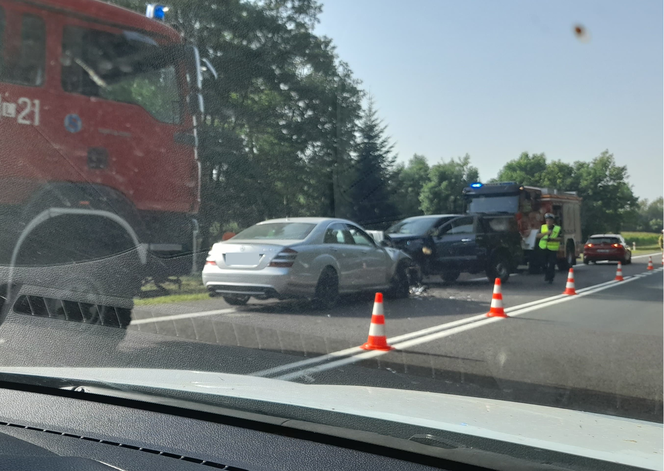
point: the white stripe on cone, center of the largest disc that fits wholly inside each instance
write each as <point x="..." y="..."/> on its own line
<point x="377" y="330"/>
<point x="570" y="289"/>
<point x="378" y="309"/>
<point x="497" y="303"/>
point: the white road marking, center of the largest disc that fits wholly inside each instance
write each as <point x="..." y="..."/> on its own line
<point x="472" y="325"/>
<point x="176" y="317"/>
<point x="418" y="333"/>
<point x="484" y="278"/>
<point x="648" y="255"/>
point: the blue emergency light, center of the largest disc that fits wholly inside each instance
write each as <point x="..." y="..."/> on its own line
<point x="476" y="185"/>
<point x="156" y="11"/>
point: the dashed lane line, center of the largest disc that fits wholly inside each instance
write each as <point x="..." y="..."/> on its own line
<point x="448" y="332"/>
<point x="191" y="315"/>
<point x="408" y="336"/>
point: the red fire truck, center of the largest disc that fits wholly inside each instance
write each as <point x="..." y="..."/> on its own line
<point x="529" y="205"/>
<point x="99" y="176"/>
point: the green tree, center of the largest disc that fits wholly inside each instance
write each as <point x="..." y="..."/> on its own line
<point x="443" y="192"/>
<point x="607" y="197"/>
<point x="280" y="122"/>
<point x="647" y="217"/>
<point x="526" y="170"/>
<point x="409" y="180"/>
<point x="608" y="200"/>
<point x="370" y="195"/>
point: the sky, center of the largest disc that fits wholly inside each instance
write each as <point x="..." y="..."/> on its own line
<point x="497" y="78"/>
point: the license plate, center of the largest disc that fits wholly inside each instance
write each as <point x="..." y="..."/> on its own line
<point x="242" y="259"/>
<point x="602" y="251"/>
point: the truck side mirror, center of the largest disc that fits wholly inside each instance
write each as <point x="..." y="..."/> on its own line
<point x="208" y="70"/>
<point x="196" y="106"/>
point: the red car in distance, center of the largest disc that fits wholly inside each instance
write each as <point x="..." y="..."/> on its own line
<point x="610" y="247"/>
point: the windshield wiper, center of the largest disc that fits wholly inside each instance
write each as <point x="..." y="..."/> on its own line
<point x="90" y="71"/>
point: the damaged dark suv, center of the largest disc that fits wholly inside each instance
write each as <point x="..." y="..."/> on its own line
<point x="448" y="244"/>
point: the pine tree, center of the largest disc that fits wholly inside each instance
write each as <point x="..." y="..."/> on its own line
<point x="371" y="199"/>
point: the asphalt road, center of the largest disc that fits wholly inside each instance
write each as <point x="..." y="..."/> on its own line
<point x="599" y="351"/>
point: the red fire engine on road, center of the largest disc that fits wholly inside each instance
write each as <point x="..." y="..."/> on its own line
<point x="529" y="205"/>
<point x="99" y="176"/>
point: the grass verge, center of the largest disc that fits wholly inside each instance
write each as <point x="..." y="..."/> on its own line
<point x="646" y="250"/>
<point x="171" y="298"/>
<point x="190" y="288"/>
<point x="643" y="239"/>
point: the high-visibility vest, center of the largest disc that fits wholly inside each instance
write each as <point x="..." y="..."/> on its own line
<point x="545" y="243"/>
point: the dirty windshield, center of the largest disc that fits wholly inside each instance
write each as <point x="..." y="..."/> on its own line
<point x="378" y="210"/>
<point x="288" y="230"/>
<point x="418" y="225"/>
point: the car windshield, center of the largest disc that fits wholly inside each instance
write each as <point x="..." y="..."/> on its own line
<point x="329" y="217"/>
<point x="277" y="230"/>
<point x="603" y="240"/>
<point x="494" y="204"/>
<point x="415" y="226"/>
<point x="127" y="67"/>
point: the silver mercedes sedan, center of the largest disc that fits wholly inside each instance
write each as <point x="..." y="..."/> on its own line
<point x="315" y="258"/>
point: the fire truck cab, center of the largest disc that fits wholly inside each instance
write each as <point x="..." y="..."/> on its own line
<point x="529" y="205"/>
<point x="99" y="175"/>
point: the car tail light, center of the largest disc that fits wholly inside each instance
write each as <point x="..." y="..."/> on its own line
<point x="589" y="245"/>
<point x="284" y="259"/>
<point x="211" y="262"/>
<point x="616" y="245"/>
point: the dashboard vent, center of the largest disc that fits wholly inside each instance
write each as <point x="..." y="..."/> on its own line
<point x="176" y="456"/>
<point x="73" y="311"/>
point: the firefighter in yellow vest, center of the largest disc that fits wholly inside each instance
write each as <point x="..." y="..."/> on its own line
<point x="549" y="241"/>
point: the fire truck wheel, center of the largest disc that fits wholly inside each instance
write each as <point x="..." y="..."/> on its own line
<point x="571" y="256"/>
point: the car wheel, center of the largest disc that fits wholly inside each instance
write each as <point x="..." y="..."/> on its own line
<point x="499" y="267"/>
<point x="400" y="285"/>
<point x="327" y="289"/>
<point x="628" y="259"/>
<point x="450" y="276"/>
<point x="236" y="300"/>
<point x="586" y="261"/>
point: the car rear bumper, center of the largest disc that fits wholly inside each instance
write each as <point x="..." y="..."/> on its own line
<point x="605" y="256"/>
<point x="270" y="282"/>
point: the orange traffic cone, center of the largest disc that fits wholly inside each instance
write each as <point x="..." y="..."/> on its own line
<point x="377" y="339"/>
<point x="650" y="267"/>
<point x="570" y="289"/>
<point x="619" y="276"/>
<point x="497" y="301"/>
